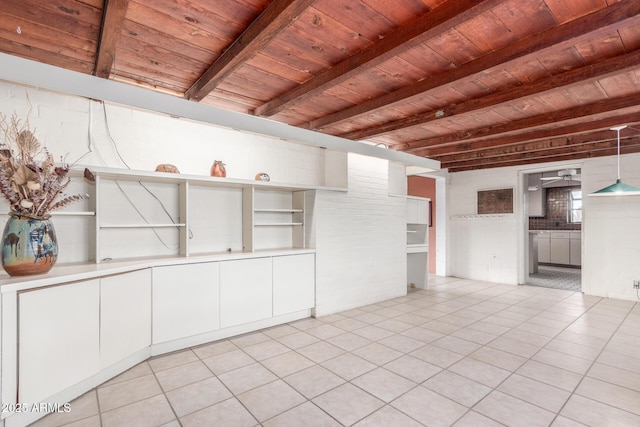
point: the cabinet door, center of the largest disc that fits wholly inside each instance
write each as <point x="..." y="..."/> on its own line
<point x="544" y="251"/>
<point x="559" y="250"/>
<point x="575" y="251"/>
<point x="125" y="315"/>
<point x="185" y="300"/>
<point x="59" y="338"/>
<point x="245" y="291"/>
<point x="412" y="211"/>
<point x="293" y="283"/>
<point x="423" y="212"/>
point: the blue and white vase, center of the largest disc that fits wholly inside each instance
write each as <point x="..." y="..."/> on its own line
<point x="29" y="245"/>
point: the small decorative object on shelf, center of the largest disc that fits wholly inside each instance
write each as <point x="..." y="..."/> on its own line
<point x="218" y="169"/>
<point x="263" y="177"/>
<point x="167" y="167"/>
<point x="33" y="186"/>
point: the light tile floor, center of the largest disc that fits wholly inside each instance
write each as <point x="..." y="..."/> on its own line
<point x="551" y="276"/>
<point x="463" y="353"/>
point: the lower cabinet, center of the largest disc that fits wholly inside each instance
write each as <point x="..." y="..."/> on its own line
<point x="560" y="247"/>
<point x="544" y="249"/>
<point x="245" y="291"/>
<point x="59" y="338"/>
<point x="185" y="300"/>
<point x="559" y="250"/>
<point x="293" y="283"/>
<point x="71" y="332"/>
<point x="125" y="315"/>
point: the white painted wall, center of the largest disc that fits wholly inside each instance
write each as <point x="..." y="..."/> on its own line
<point x="611" y="230"/>
<point x="93" y="133"/>
<point x="493" y="250"/>
<point x="360" y="235"/>
<point x="482" y="248"/>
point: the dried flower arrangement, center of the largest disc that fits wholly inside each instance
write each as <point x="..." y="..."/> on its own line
<point x="29" y="178"/>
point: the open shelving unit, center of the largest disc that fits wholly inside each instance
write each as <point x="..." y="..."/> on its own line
<point x="417" y="242"/>
<point x="155" y="214"/>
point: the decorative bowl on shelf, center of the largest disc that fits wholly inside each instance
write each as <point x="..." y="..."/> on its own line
<point x="167" y="167"/>
<point x="263" y="177"/>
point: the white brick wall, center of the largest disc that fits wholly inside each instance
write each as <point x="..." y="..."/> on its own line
<point x="481" y="248"/>
<point x="360" y="239"/>
<point x="611" y="230"/>
<point x="360" y="235"/>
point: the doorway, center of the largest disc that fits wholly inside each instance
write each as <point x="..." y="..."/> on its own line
<point x="554" y="229"/>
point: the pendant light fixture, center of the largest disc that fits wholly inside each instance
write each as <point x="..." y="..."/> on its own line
<point x="619" y="188"/>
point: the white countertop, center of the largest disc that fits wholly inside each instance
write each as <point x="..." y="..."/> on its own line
<point x="64" y="273"/>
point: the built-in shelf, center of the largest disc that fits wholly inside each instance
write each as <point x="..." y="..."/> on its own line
<point x="277" y="224"/>
<point x="279" y="210"/>
<point x="417" y="242"/>
<point x="69" y="213"/>
<point x="192" y="215"/>
<point x="142" y="225"/>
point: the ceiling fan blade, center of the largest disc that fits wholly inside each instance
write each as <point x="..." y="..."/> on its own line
<point x="551" y="182"/>
<point x="550" y="178"/>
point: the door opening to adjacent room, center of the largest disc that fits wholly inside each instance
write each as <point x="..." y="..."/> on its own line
<point x="555" y="229"/>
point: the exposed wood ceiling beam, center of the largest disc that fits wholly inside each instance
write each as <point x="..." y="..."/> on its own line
<point x="560" y="145"/>
<point x="586" y="110"/>
<point x="427" y="26"/>
<point x="591" y="25"/>
<point x="503" y="142"/>
<point x="599" y="150"/>
<point x="275" y="18"/>
<point x="113" y="15"/>
<point x="585" y="74"/>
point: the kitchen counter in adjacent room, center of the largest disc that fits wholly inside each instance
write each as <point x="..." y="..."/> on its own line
<point x="561" y="247"/>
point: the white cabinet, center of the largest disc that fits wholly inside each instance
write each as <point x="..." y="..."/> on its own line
<point x="125" y="315"/>
<point x="245" y="291"/>
<point x="185" y="300"/>
<point x="293" y="283"/>
<point x="560" y="247"/>
<point x="59" y="338"/>
<point x="417" y="242"/>
<point x="417" y="210"/>
<point x="544" y="249"/>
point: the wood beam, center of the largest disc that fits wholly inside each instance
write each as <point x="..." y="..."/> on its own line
<point x="597" y="23"/>
<point x="113" y="14"/>
<point x="581" y="111"/>
<point x="539" y="149"/>
<point x="274" y="19"/>
<point x="629" y="148"/>
<point x="535" y="135"/>
<point x="561" y="145"/>
<point x="587" y="74"/>
<point x="429" y="25"/>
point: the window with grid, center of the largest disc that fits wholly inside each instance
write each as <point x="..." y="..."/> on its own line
<point x="575" y="206"/>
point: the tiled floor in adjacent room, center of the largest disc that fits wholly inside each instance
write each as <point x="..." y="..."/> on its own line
<point x="463" y="353"/>
<point x="552" y="276"/>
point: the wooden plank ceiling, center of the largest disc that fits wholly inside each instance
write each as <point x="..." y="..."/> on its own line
<point x="472" y="83"/>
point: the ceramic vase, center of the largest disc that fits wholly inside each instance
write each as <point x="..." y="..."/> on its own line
<point x="29" y="245"/>
<point x="218" y="169"/>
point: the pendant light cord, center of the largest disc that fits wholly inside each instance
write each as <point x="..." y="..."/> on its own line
<point x="618" y="154"/>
